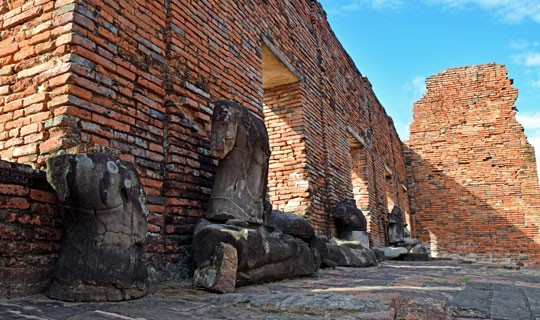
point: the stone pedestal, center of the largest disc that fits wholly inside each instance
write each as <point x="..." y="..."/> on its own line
<point x="359" y="236"/>
<point x="263" y="254"/>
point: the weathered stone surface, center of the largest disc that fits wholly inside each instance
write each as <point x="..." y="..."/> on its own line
<point x="292" y="224"/>
<point x="402" y="286"/>
<point x="104" y="216"/>
<point x="263" y="254"/>
<point x="319" y="247"/>
<point x="407" y="243"/>
<point x="393" y="252"/>
<point x="509" y="302"/>
<point x="419" y="308"/>
<point x="410" y="241"/>
<point x="348" y="217"/>
<point x="473" y="302"/>
<point x="420" y="248"/>
<point x="379" y="254"/>
<point x="219" y="274"/>
<point x="351" y="254"/>
<point x="360" y="236"/>
<point x="406" y="232"/>
<point x="240" y="141"/>
<point x="333" y="257"/>
<point x="300" y="263"/>
<point x="396" y="226"/>
<point x="329" y="305"/>
<point x="413" y="257"/>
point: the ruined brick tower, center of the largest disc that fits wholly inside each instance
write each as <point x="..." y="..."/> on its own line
<point x="472" y="174"/>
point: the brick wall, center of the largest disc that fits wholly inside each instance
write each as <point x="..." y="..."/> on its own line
<point x="287" y="177"/>
<point x="141" y="77"/>
<point x="30" y="230"/>
<point x="472" y="176"/>
<point x="35" y="64"/>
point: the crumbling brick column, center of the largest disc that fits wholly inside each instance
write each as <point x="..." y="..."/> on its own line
<point x="472" y="177"/>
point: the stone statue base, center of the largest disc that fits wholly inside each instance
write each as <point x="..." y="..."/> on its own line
<point x="264" y="253"/>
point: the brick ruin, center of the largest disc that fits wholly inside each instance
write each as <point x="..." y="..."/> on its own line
<point x="472" y="175"/>
<point x="140" y="78"/>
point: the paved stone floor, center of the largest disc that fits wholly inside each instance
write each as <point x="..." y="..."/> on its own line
<point x="392" y="290"/>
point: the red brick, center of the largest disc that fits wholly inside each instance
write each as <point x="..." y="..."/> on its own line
<point x="35" y="108"/>
<point x="153" y="228"/>
<point x="42" y="196"/>
<point x="24" y="53"/>
<point x="51" y="144"/>
<point x="9" y="50"/>
<point x="99" y="140"/>
<point x="25" y="150"/>
<point x="22" y="17"/>
<point x="36" y="69"/>
<point x="13" y="190"/>
<point x="36" y="137"/>
<point x="36" y="98"/>
<point x="31" y="128"/>
<point x="9" y="202"/>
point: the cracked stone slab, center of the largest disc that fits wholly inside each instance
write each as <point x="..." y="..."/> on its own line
<point x="509" y="302"/>
<point x="472" y="302"/>
<point x="533" y="298"/>
<point x="324" y="304"/>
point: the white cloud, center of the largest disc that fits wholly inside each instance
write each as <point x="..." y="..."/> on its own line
<point x="411" y="92"/>
<point x="529" y="120"/>
<point x="535" y="84"/>
<point x="531" y="123"/>
<point x="532" y="59"/>
<point x="383" y="4"/>
<point x="534" y="140"/>
<point x="415" y="88"/>
<point x="522" y="45"/>
<point x="345" y="6"/>
<point x="509" y="11"/>
<point x="526" y="54"/>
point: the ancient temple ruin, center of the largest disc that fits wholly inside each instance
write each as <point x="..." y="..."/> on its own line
<point x="140" y="80"/>
<point x="472" y="174"/>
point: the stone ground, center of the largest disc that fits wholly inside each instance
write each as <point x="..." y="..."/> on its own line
<point x="392" y="290"/>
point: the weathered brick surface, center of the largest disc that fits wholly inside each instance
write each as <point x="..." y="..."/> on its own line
<point x="35" y="71"/>
<point x="30" y="230"/>
<point x="288" y="179"/>
<point x="472" y="176"/>
<point x="140" y="77"/>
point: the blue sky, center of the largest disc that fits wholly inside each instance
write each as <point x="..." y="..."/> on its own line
<point x="398" y="43"/>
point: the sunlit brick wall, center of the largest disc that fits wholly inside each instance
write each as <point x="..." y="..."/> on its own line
<point x="472" y="176"/>
<point x="141" y="77"/>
